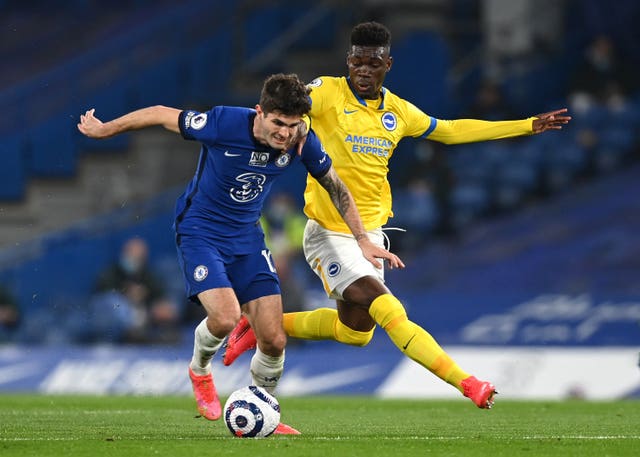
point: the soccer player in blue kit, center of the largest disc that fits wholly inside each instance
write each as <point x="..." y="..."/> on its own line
<point x="225" y="262"/>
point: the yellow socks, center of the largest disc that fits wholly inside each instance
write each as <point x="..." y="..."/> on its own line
<point x="388" y="312"/>
<point x="318" y="324"/>
<point x="323" y="324"/>
<point x="414" y="341"/>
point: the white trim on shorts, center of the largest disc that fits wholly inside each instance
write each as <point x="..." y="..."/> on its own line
<point x="337" y="259"/>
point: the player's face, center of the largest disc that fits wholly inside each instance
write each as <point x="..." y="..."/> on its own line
<point x="275" y="129"/>
<point x="368" y="66"/>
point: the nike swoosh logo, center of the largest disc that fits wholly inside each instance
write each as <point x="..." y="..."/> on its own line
<point x="349" y="112"/>
<point x="298" y="383"/>
<point x="404" y="348"/>
<point x="228" y="154"/>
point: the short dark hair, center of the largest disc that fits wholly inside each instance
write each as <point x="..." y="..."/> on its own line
<point x="285" y="94"/>
<point x="370" y="34"/>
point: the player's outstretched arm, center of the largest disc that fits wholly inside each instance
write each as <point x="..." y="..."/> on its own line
<point x="164" y="116"/>
<point x="553" y="120"/>
<point x="471" y="130"/>
<point x="346" y="206"/>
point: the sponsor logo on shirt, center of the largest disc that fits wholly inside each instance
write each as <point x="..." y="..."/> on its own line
<point x="250" y="187"/>
<point x="369" y="145"/>
<point x="315" y="83"/>
<point x="259" y="159"/>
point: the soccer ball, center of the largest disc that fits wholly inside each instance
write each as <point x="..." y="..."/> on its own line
<point x="251" y="412"/>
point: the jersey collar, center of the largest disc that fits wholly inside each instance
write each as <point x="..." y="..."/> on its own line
<point x="362" y="100"/>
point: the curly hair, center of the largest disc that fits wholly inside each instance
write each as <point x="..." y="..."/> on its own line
<point x="370" y="34"/>
<point x="285" y="94"/>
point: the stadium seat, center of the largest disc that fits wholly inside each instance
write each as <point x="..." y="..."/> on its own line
<point x="52" y="151"/>
<point x="429" y="71"/>
<point x="12" y="171"/>
<point x="469" y="201"/>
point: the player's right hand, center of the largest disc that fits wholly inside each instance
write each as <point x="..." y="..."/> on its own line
<point x="91" y="126"/>
<point x="373" y="252"/>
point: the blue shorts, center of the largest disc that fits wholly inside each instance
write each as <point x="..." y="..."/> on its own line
<point x="205" y="267"/>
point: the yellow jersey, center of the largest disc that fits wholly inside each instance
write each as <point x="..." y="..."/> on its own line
<point x="360" y="136"/>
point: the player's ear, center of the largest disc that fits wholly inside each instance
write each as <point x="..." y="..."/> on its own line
<point x="259" y="110"/>
<point x="389" y="63"/>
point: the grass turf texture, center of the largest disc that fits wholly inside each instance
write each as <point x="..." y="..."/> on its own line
<point x="331" y="426"/>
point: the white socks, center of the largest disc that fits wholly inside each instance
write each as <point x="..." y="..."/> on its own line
<point x="266" y="370"/>
<point x="205" y="346"/>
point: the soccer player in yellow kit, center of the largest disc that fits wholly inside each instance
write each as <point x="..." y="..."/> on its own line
<point x="360" y="123"/>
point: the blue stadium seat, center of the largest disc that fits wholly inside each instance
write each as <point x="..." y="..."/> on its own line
<point x="109" y="102"/>
<point x="428" y="72"/>
<point x="159" y="84"/>
<point x="515" y="180"/>
<point x="415" y="210"/>
<point x="470" y="164"/>
<point x="12" y="171"/>
<point x="208" y="69"/>
<point x="52" y="150"/>
<point x="469" y="201"/>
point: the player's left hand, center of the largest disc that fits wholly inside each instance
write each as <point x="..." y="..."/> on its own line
<point x="553" y="120"/>
<point x="298" y="139"/>
<point x="373" y="252"/>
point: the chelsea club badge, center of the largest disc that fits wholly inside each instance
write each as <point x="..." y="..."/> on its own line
<point x="283" y="160"/>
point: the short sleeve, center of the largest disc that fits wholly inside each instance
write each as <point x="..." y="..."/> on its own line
<point x="199" y="126"/>
<point x="322" y="94"/>
<point x="314" y="157"/>
<point x="419" y="124"/>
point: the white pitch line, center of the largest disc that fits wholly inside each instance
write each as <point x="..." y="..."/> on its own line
<point x="343" y="438"/>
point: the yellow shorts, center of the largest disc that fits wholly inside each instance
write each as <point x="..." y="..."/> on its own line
<point x="337" y="259"/>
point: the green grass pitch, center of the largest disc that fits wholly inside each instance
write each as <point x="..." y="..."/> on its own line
<point x="32" y="425"/>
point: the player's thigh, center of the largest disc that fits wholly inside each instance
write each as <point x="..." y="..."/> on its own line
<point x="253" y="276"/>
<point x="362" y="292"/>
<point x="222" y="307"/>
<point x="337" y="259"/>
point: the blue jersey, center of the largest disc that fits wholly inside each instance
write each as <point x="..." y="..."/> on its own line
<point x="235" y="172"/>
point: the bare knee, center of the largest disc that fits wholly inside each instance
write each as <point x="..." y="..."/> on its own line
<point x="273" y="344"/>
<point x="223" y="310"/>
<point x="222" y="325"/>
